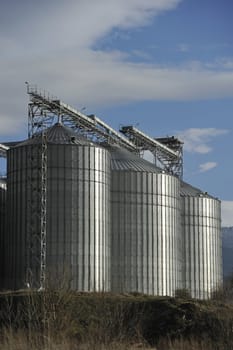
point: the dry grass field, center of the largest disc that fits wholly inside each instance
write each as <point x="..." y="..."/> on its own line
<point x="65" y="320"/>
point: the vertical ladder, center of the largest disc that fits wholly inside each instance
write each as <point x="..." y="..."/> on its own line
<point x="36" y="214"/>
<point x="43" y="210"/>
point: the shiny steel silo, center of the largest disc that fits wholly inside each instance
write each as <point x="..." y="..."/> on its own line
<point x="2" y="227"/>
<point x="201" y="227"/>
<point x="77" y="220"/>
<point x="145" y="226"/>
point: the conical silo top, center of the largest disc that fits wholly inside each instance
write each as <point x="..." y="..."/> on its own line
<point x="187" y="190"/>
<point x="58" y="134"/>
<point x="122" y="159"/>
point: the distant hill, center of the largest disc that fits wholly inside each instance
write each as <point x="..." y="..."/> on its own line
<point x="227" y="250"/>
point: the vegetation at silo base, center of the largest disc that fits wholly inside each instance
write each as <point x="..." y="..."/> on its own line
<point x="64" y="320"/>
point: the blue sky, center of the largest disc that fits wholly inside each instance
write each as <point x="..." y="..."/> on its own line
<point x="163" y="65"/>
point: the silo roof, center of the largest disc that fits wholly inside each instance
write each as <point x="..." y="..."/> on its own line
<point x="187" y="190"/>
<point x="122" y="159"/>
<point x="58" y="134"/>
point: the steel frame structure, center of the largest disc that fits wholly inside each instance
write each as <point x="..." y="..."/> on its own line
<point x="176" y="145"/>
<point x="168" y="152"/>
<point x="44" y="109"/>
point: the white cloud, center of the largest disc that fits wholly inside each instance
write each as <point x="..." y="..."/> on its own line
<point x="227" y="213"/>
<point x="149" y="157"/>
<point x="207" y="166"/>
<point x="183" y="47"/>
<point x="227" y="64"/>
<point x="141" y="54"/>
<point x="223" y="63"/>
<point x="197" y="140"/>
<point x="53" y="47"/>
<point x="78" y="23"/>
<point x="94" y="77"/>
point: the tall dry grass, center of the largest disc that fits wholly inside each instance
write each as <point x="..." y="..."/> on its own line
<point x="64" y="320"/>
<point x="19" y="341"/>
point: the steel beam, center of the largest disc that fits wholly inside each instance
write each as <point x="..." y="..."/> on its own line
<point x="168" y="157"/>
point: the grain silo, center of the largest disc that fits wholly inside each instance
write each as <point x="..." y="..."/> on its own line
<point x="145" y="226"/>
<point x="201" y="229"/>
<point x="77" y="210"/>
<point x="2" y="226"/>
<point x="74" y="212"/>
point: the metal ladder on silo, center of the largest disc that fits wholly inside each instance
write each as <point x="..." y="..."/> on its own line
<point x="43" y="210"/>
<point x="37" y="210"/>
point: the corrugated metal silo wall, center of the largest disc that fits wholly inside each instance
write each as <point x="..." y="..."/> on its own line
<point x="146" y="241"/>
<point x="78" y="215"/>
<point x="201" y="225"/>
<point x="2" y="228"/>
